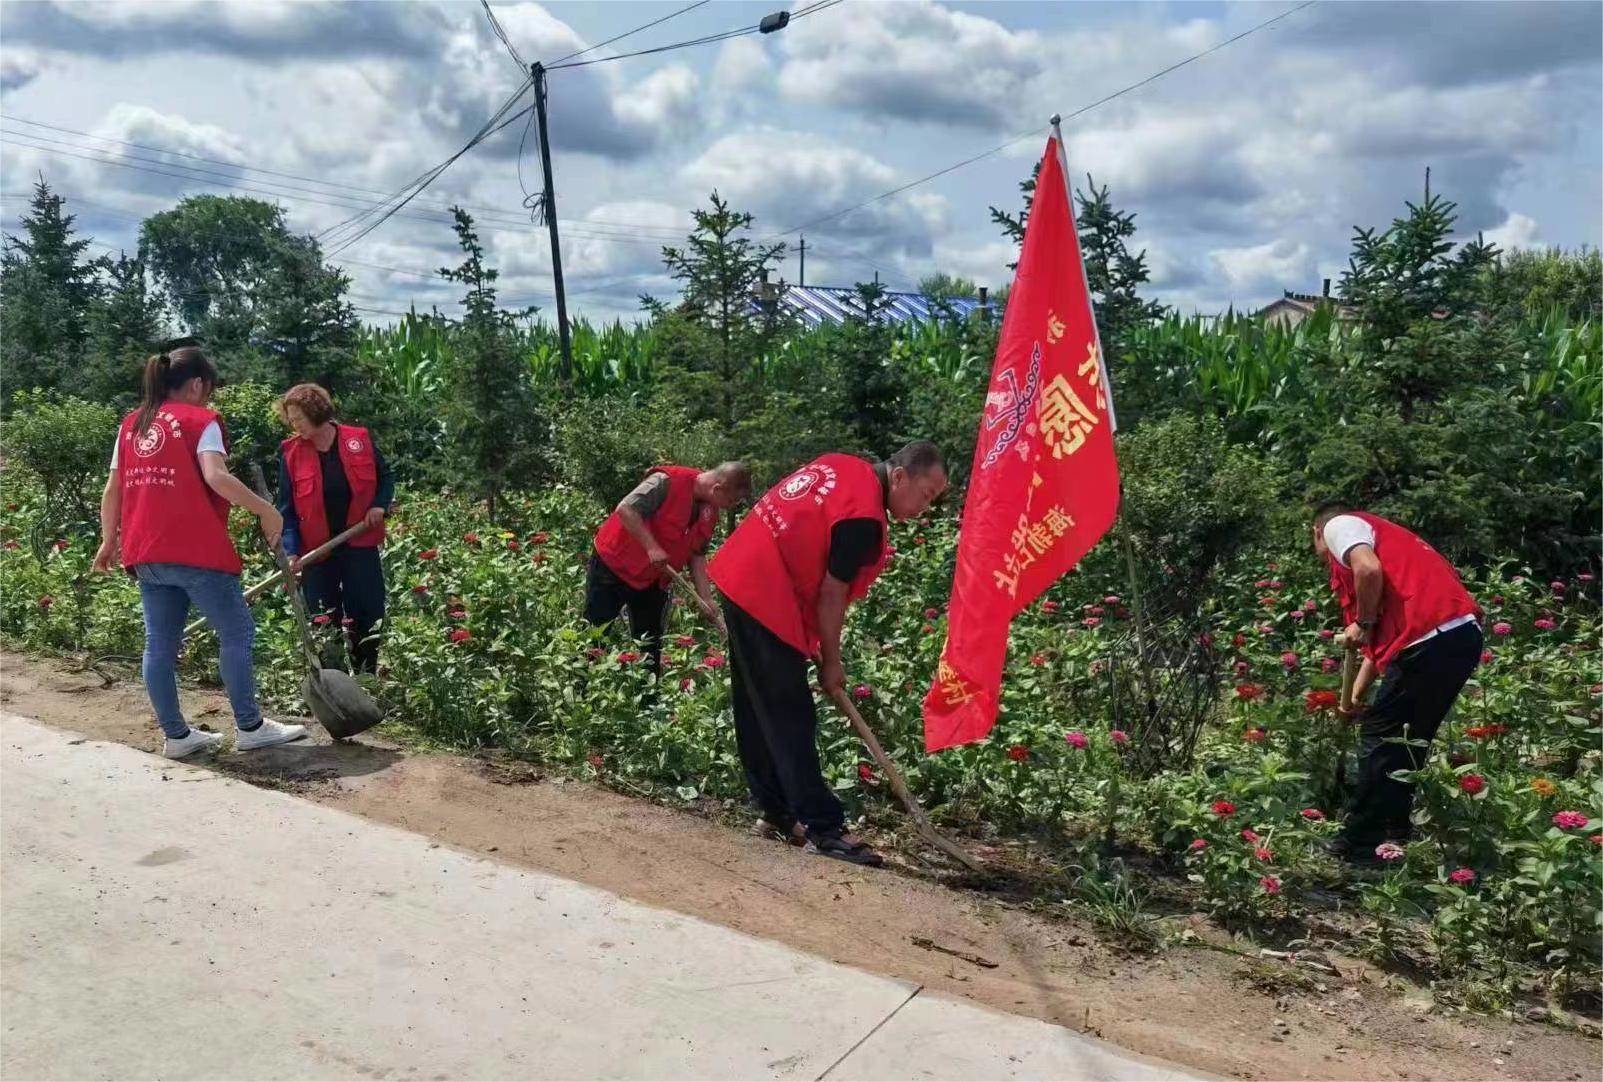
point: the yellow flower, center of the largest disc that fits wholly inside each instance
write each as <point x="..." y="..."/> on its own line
<point x="1543" y="787"/>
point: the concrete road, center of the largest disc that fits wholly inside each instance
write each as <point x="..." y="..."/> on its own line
<point x="163" y="921"/>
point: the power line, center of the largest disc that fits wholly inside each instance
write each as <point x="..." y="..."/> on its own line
<point x="1036" y="131"/>
<point x="629" y="33"/>
<point x="707" y="39"/>
<point x="512" y="50"/>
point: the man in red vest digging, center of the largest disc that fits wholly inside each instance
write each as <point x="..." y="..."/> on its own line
<point x="812" y="545"/>
<point x="665" y="524"/>
<point x="1418" y="629"/>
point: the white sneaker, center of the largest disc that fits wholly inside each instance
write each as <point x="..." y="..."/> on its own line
<point x="267" y="734"/>
<point x="197" y="740"/>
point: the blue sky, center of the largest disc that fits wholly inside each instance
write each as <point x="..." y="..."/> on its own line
<point x="1247" y="169"/>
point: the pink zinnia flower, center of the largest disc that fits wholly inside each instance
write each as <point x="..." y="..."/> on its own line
<point x="1557" y="586"/>
<point x="1199" y="845"/>
<point x="1018" y="753"/>
<point x="1075" y="739"/>
<point x="930" y="614"/>
<point x="1313" y="815"/>
<point x="1111" y="599"/>
<point x="1584" y="576"/>
<point x="1255" y="736"/>
<point x="1270" y="884"/>
<point x="1261" y="584"/>
<point x="322" y="619"/>
<point x="712" y="661"/>
<point x="460" y="634"/>
<point x="1243" y="668"/>
<point x="1297" y="615"/>
<point x="1097" y="610"/>
<point x="1545" y="625"/>
<point x="862" y="691"/>
<point x="1119" y="736"/>
<point x="1570" y="820"/>
<point x="1091" y="621"/>
<point x="1049" y="606"/>
<point x="1486" y="657"/>
<point x="1472" y="783"/>
<point x="687" y="685"/>
<point x="866" y="775"/>
<point x="1038" y="660"/>
<point x="1250" y="835"/>
<point x="429" y="554"/>
<point x="1502" y="627"/>
<point x="1462" y="876"/>
<point x="1263" y="854"/>
<point x="1389" y="851"/>
<point x="628" y="657"/>
<point x="1223" y="809"/>
<point x="420" y="588"/>
<point x="1290" y="659"/>
<point x="1275" y="584"/>
<point x="1310" y="605"/>
<point x="1329" y="665"/>
<point x="1326" y="633"/>
<point x="471" y="538"/>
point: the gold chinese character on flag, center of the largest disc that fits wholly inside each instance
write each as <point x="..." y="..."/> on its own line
<point x="1091" y="368"/>
<point x="954" y="689"/>
<point x="1065" y="418"/>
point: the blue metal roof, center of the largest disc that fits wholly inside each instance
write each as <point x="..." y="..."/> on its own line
<point x="814" y="305"/>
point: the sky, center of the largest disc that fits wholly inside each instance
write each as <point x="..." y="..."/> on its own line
<point x="1247" y="169"/>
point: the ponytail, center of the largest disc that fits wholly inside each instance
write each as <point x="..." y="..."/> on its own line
<point x="167" y="371"/>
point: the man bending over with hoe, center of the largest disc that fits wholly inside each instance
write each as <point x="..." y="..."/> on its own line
<point x="814" y="543"/>
<point x="1419" y="629"/>
<point x="662" y="526"/>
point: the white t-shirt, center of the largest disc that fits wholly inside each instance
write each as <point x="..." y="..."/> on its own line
<point x="1343" y="532"/>
<point x="210" y="440"/>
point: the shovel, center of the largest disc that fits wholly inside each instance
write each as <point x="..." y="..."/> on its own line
<point x="337" y="700"/>
<point x="921" y="820"/>
<point x="278" y="576"/>
<point x="1349" y="673"/>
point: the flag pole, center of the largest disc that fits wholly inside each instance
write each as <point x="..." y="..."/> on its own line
<point x="1113" y="418"/>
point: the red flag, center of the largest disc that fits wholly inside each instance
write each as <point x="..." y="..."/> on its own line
<point x="1044" y="487"/>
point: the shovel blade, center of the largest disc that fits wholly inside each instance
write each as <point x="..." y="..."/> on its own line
<point x="339" y="703"/>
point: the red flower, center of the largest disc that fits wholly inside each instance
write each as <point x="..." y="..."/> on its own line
<point x="712" y="661"/>
<point x="862" y="691"/>
<point x="347" y="622"/>
<point x="1199" y="845"/>
<point x="1316" y="701"/>
<point x="12" y="545"/>
<point x="421" y="588"/>
<point x="1249" y="692"/>
<point x="512" y="544"/>
<point x="685" y="641"/>
<point x="1049" y="606"/>
<point x="1313" y="815"/>
<point x="866" y="775"/>
<point x="460" y="634"/>
<point x="918" y="540"/>
<point x="1205" y="641"/>
<point x="46" y="601"/>
<point x="1223" y="809"/>
<point x="1243" y="668"/>
<point x="1502" y="627"/>
<point x="1486" y="657"/>
<point x="628" y="657"/>
<point x="1250" y="835"/>
<point x="686" y="684"/>
<point x="1238" y="640"/>
<point x="539" y="557"/>
<point x="1557" y="587"/>
<point x="1076" y="740"/>
<point x="595" y="760"/>
<point x="1290" y="660"/>
<point x="457" y="614"/>
<point x="61" y="545"/>
<point x="13" y="507"/>
<point x="1096" y="610"/>
<point x="1018" y="753"/>
<point x="429" y="554"/>
<point x="1472" y="783"/>
<point x="1326" y="633"/>
<point x="1255" y="736"/>
<point x="1263" y="854"/>
<point x="1275" y="584"/>
<point x="1261" y="584"/>
<point x="1545" y="625"/>
<point x="928" y="629"/>
<point x="930" y="614"/>
<point x="321" y="620"/>
<point x="1111" y="599"/>
<point x="539" y="538"/>
<point x="1270" y="884"/>
<point x="1091" y="621"/>
<point x="1119" y="736"/>
<point x="471" y="538"/>
<point x="1329" y="664"/>
<point x="595" y="653"/>
<point x="1037" y="659"/>
<point x="1310" y="605"/>
<point x="1570" y="820"/>
<point x="1462" y="876"/>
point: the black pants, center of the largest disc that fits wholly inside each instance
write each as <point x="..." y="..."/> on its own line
<point x="606" y="595"/>
<point x="1418" y="690"/>
<point x="776" y="727"/>
<point x="349" y="584"/>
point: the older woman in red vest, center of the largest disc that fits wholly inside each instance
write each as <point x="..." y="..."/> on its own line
<point x="813" y="544"/>
<point x="331" y="477"/>
<point x="1419" y="631"/>
<point x="164" y="517"/>
<point x="666" y="523"/>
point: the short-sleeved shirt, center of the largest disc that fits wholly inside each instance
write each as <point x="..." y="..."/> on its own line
<point x="211" y="440"/>
<point x="1344" y="532"/>
<point x="854" y="543"/>
<point x="649" y="495"/>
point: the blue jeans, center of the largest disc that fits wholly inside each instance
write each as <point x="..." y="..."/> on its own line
<point x="167" y="591"/>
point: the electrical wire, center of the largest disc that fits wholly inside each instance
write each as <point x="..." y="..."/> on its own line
<point x="512" y="50"/>
<point x="707" y="39"/>
<point x="1037" y="130"/>
<point x="630" y="33"/>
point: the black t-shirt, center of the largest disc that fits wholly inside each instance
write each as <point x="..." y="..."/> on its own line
<point x="854" y="542"/>
<point x="336" y="489"/>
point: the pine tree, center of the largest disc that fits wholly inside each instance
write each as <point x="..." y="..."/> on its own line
<point x="46" y="287"/>
<point x="125" y="327"/>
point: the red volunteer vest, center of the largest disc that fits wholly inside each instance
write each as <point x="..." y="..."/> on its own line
<point x="784" y="542"/>
<point x="680" y="535"/>
<point x="306" y="481"/>
<point x="169" y="514"/>
<point x="1421" y="591"/>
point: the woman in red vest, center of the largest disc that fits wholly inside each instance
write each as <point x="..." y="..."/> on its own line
<point x="665" y="523"/>
<point x="1419" y="630"/>
<point x="812" y="545"/>
<point x="164" y="516"/>
<point x="331" y="477"/>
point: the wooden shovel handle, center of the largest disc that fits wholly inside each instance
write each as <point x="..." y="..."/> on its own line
<point x="706" y="610"/>
<point x="1349" y="673"/>
<point x="317" y="554"/>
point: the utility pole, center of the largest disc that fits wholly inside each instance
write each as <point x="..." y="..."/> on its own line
<point x="801" y="249"/>
<point x="549" y="208"/>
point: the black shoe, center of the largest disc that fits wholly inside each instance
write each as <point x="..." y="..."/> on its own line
<point x="835" y="844"/>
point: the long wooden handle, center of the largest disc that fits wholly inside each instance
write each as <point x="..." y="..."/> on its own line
<point x="1349" y="673"/>
<point x="277" y="577"/>
<point x="899" y="787"/>
<point x="701" y="603"/>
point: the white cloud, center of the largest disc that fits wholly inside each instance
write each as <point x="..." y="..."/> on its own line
<point x="1519" y="231"/>
<point x="743" y="66"/>
<point x="1266" y="268"/>
<point x="19" y="66"/>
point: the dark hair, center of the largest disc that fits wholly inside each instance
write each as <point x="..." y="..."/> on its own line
<point x="167" y="371"/>
<point x="313" y="402"/>
<point x="737" y="476"/>
<point x="918" y="457"/>
<point x="1328" y="510"/>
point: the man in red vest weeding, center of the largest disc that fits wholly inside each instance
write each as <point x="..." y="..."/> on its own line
<point x="1419" y="630"/>
<point x="665" y="523"/>
<point x="813" y="544"/>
